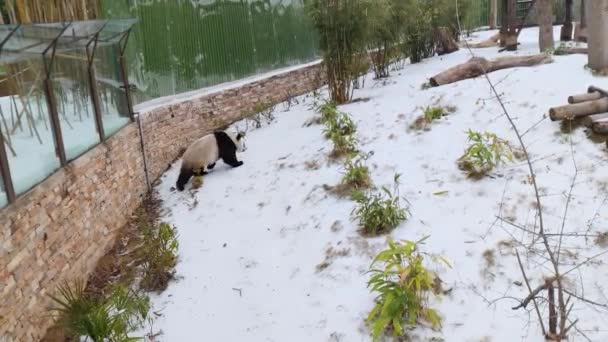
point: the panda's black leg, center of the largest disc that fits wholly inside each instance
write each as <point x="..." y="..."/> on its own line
<point x="231" y="160"/>
<point x="210" y="166"/>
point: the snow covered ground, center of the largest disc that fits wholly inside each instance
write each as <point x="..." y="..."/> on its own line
<point x="251" y="237"/>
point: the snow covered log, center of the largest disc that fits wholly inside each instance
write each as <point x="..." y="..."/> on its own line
<point x="577" y="110"/>
<point x="571" y="51"/>
<point x="598" y="123"/>
<point x="475" y="67"/>
<point x="592" y="89"/>
<point x="490" y="42"/>
<point x="584" y="97"/>
<point x="600" y="127"/>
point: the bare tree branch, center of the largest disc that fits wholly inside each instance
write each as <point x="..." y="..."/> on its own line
<point x="523" y="304"/>
<point x="545" y="240"/>
<point x="581" y="298"/>
<point x="569" y="198"/>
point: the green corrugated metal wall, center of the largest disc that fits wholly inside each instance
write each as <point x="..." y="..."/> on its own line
<point x="182" y="45"/>
<point x="477" y="15"/>
<point x="559" y="11"/>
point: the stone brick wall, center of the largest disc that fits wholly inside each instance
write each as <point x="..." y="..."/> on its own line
<point x="174" y="127"/>
<point x="58" y="231"/>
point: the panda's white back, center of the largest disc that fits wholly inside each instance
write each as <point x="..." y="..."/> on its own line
<point x="201" y="153"/>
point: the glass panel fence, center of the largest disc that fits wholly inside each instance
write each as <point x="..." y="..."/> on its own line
<point x="26" y="125"/>
<point x="74" y="104"/>
<point x="114" y="109"/>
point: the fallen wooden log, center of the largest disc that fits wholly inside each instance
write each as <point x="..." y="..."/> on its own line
<point x="588" y="120"/>
<point x="584" y="97"/>
<point x="600" y="127"/>
<point x="598" y="123"/>
<point x="477" y="65"/>
<point x="592" y="89"/>
<point x="571" y="51"/>
<point x="490" y="42"/>
<point x="576" y="110"/>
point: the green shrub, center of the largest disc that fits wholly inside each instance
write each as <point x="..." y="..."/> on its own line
<point x="340" y="129"/>
<point x="484" y="153"/>
<point x="329" y="112"/>
<point x="344" y="145"/>
<point x="403" y="285"/>
<point x="356" y="177"/>
<point x="342" y="124"/>
<point x="434" y="113"/>
<point x="430" y="114"/>
<point x="159" y="256"/>
<point x="386" y="19"/>
<point x="109" y="319"/>
<point x="342" y="28"/>
<point x="379" y="212"/>
<point x="417" y="37"/>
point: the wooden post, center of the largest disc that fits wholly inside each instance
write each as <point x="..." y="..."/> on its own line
<point x="545" y="25"/>
<point x="580" y="33"/>
<point x="504" y="23"/>
<point x="511" y="38"/>
<point x="567" y="28"/>
<point x="597" y="16"/>
<point x="493" y="14"/>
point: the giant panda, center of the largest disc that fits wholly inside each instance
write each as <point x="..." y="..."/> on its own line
<point x="206" y="151"/>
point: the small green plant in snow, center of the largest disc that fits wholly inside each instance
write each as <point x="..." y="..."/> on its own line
<point x="159" y="255"/>
<point x="380" y="212"/>
<point x="357" y="174"/>
<point x="356" y="177"/>
<point x="403" y="285"/>
<point x="484" y="153"/>
<point x="342" y="124"/>
<point x="432" y="113"/>
<point x="329" y="112"/>
<point x="340" y="129"/>
<point x="344" y="145"/>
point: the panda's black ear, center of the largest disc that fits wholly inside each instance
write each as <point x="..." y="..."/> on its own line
<point x="240" y="136"/>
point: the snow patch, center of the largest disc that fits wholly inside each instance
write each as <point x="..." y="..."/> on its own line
<point x="251" y="272"/>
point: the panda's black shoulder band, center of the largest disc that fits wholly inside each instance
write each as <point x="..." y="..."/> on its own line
<point x="225" y="145"/>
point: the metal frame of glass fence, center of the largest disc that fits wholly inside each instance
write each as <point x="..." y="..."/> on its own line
<point x="5" y="171"/>
<point x="84" y="34"/>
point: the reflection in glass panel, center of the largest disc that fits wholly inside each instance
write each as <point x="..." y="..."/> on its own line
<point x="25" y="124"/>
<point x="76" y="114"/>
<point x="114" y="109"/>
